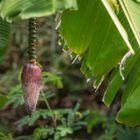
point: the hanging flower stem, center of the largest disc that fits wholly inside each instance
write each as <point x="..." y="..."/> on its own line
<point x="32" y="40"/>
<point x="31" y="72"/>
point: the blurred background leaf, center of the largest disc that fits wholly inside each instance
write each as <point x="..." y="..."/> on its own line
<point x="4" y="37"/>
<point x="18" y="9"/>
<point x="3" y="100"/>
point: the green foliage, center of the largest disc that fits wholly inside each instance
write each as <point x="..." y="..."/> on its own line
<point x="126" y="133"/>
<point x="68" y="120"/>
<point x="5" y="137"/>
<point x="15" y="97"/>
<point x="4" y="37"/>
<point x="11" y="10"/>
<point x="96" y="32"/>
<point x="67" y="123"/>
<point x="131" y="10"/>
<point x="116" y="81"/>
<point x="3" y="100"/>
<point x="102" y="51"/>
<point x="82" y="35"/>
<point x="112" y="130"/>
<point x="52" y="78"/>
<point x="19" y="9"/>
<point x="109" y="133"/>
<point x="93" y="119"/>
<point x="43" y="113"/>
<point x="43" y="132"/>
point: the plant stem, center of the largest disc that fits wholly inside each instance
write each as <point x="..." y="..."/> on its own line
<point x="32" y="40"/>
<point x="51" y="111"/>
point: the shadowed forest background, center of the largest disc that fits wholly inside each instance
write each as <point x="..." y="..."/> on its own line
<point x="68" y="107"/>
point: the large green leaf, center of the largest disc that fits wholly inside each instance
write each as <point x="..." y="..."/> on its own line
<point x="115" y="81"/>
<point x="131" y="9"/>
<point x="96" y="33"/>
<point x="132" y="84"/>
<point x="130" y="111"/>
<point x="90" y="30"/>
<point x="130" y="106"/>
<point x="4" y="37"/>
<point x="24" y="9"/>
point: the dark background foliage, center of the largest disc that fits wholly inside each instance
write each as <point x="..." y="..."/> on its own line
<point x="68" y="107"/>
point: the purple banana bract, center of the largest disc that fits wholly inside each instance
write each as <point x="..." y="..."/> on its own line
<point x="31" y="82"/>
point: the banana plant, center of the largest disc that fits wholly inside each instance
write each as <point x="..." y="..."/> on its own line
<point x="104" y="33"/>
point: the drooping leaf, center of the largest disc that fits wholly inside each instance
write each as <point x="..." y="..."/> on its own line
<point x="85" y="69"/>
<point x="24" y="9"/>
<point x="103" y="42"/>
<point x="115" y="81"/>
<point x="89" y="30"/>
<point x="130" y="106"/>
<point x="131" y="9"/>
<point x="130" y="111"/>
<point x="4" y="37"/>
<point x="132" y="83"/>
